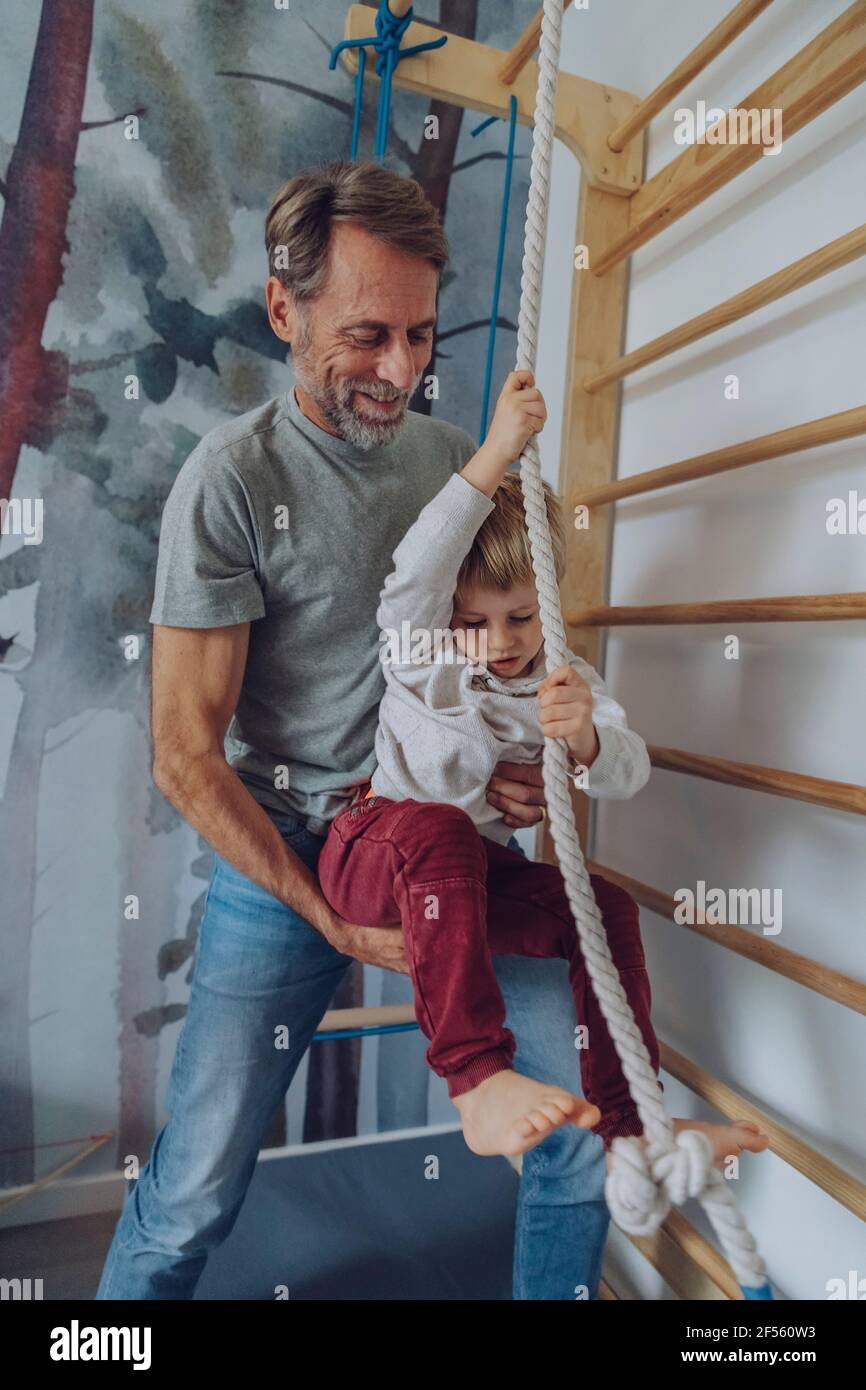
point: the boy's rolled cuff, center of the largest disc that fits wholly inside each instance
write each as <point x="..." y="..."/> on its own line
<point x="621" y="1124"/>
<point x="478" y="1069"/>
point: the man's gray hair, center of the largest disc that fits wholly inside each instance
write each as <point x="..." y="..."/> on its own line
<point x="389" y="205"/>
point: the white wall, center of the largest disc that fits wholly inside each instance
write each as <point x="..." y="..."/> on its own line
<point x="793" y="700"/>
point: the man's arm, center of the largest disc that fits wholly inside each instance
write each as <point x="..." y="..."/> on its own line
<point x="197" y="677"/>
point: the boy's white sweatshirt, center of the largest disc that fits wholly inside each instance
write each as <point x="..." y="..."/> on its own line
<point x="444" y="725"/>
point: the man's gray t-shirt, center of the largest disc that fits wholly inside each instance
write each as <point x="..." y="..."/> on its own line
<point x="275" y="522"/>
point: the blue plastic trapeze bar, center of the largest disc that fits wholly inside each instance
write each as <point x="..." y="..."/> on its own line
<point x="500" y="257"/>
<point x="365" y="1032"/>
<point x="386" y="41"/>
<point x="762" y="1292"/>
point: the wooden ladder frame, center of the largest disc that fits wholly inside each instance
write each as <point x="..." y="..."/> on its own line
<point x="617" y="213"/>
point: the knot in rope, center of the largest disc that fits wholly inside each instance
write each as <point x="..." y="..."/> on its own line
<point x="644" y="1181"/>
<point x="386" y="43"/>
<point x="389" y="32"/>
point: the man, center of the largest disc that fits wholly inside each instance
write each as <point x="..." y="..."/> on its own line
<point x="275" y="542"/>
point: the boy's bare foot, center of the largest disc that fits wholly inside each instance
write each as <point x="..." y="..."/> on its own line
<point x="509" y="1113"/>
<point x="728" y="1141"/>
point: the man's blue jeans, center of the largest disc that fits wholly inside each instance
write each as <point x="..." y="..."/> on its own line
<point x="260" y="968"/>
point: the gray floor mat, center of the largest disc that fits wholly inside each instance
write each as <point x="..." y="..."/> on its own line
<point x="365" y="1223"/>
<point x="356" y="1223"/>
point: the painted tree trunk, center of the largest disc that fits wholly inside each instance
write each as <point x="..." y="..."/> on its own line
<point x="42" y="687"/>
<point x="331" y="1110"/>
<point x="143" y="871"/>
<point x="40" y="186"/>
<point x="18" y="816"/>
<point x="435" y="159"/>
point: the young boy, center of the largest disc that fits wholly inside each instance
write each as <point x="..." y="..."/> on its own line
<point x="422" y="845"/>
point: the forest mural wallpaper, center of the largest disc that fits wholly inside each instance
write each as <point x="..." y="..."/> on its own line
<point x="140" y="144"/>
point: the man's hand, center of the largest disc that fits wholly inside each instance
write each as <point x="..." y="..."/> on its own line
<point x="518" y="790"/>
<point x="382" y="946"/>
<point x="565" y="711"/>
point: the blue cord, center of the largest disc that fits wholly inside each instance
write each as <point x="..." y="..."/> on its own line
<point x="366" y="1032"/>
<point x="500" y="257"/>
<point x="386" y="41"/>
<point x="359" y="92"/>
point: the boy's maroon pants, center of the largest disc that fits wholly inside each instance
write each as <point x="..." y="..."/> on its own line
<point x="461" y="897"/>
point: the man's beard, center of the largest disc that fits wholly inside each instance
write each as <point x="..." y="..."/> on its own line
<point x="335" y="399"/>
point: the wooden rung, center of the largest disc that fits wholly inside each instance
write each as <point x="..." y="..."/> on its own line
<point x="833" y="984"/>
<point x="376" y="1016"/>
<point x="820" y="74"/>
<point x="823" y="979"/>
<point x="706" y="1256"/>
<point x="678" y="1268"/>
<point x="466" y="73"/>
<point x="21" y="1194"/>
<point x="818" y="791"/>
<point x="829" y="429"/>
<point x="794" y="608"/>
<point x="398" y="7"/>
<point x="516" y="60"/>
<point x="826" y="1174"/>
<point x="793" y="277"/>
<point x="699" y="58"/>
<point x="820" y="1170"/>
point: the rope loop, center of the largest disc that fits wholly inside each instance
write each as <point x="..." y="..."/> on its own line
<point x="645" y="1181"/>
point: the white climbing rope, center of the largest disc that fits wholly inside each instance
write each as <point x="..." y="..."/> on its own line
<point x="644" y="1182"/>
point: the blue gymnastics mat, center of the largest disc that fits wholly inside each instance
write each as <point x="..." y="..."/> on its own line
<point x="364" y="1222"/>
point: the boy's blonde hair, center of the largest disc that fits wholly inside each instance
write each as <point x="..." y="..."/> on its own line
<point x="500" y="557"/>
